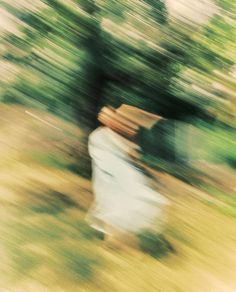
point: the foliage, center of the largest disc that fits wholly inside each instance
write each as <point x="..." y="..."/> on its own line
<point x="47" y="236"/>
<point x="75" y="56"/>
<point x="226" y="201"/>
<point x="154" y="244"/>
<point x="52" y="202"/>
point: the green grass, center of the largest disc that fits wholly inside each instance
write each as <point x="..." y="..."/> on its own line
<point x="77" y="263"/>
<point x="177" y="235"/>
<point x="228" y="207"/>
<point x="25" y="261"/>
<point x="154" y="244"/>
<point x="51" y="202"/>
<point x="47" y="235"/>
<point x="48" y="160"/>
<point x="227" y="198"/>
<point x="57" y="161"/>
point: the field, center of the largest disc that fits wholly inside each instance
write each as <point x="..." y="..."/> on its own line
<point x="47" y="246"/>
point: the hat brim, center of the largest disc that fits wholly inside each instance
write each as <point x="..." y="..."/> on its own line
<point x="137" y="116"/>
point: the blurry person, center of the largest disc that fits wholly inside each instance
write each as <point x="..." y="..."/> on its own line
<point x="124" y="204"/>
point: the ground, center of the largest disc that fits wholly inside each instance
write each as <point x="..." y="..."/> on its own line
<point x="46" y="244"/>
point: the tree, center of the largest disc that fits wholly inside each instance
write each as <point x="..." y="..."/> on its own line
<point x="80" y="55"/>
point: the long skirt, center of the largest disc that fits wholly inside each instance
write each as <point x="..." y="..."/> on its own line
<point x="123" y="198"/>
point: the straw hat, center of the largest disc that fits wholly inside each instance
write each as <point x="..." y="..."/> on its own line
<point x="127" y="118"/>
<point x="137" y="116"/>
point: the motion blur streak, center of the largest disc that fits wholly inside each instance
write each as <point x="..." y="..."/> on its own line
<point x="61" y="61"/>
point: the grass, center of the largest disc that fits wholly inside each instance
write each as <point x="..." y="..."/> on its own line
<point x="221" y="195"/>
<point x="57" y="161"/>
<point x="24" y="261"/>
<point x="83" y="170"/>
<point x="46" y="241"/>
<point x="226" y="210"/>
<point x="228" y="207"/>
<point x="217" y="145"/>
<point x="155" y="245"/>
<point x="52" y="202"/>
<point x="77" y="263"/>
<point x="43" y="237"/>
<point x="48" y="160"/>
<point x="177" y="235"/>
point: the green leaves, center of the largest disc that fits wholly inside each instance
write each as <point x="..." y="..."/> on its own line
<point x="158" y="11"/>
<point x="88" y="5"/>
<point x="87" y="53"/>
<point x="154" y="244"/>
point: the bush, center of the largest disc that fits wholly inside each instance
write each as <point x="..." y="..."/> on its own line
<point x="154" y="244"/>
<point x="231" y="161"/>
<point x="80" y="168"/>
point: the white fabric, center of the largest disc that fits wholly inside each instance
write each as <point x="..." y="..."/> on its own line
<point x="122" y="197"/>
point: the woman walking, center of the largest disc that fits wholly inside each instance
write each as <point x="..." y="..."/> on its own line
<point x="124" y="204"/>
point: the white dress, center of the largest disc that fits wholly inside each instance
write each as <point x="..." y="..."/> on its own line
<point x="123" y="199"/>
